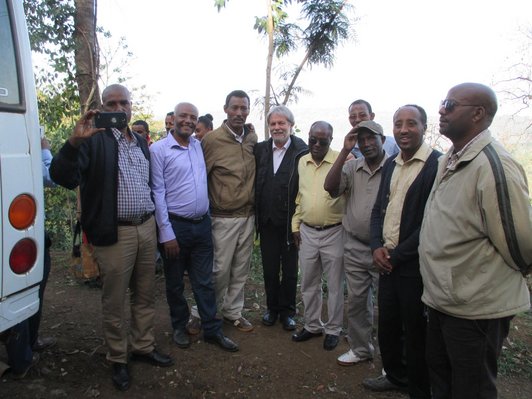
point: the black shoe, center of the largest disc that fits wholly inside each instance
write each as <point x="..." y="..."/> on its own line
<point x="304" y="335"/>
<point x="43" y="343"/>
<point x="289" y="324"/>
<point x="181" y="339"/>
<point x="20" y="375"/>
<point x="269" y="318"/>
<point x="121" y="376"/>
<point x="330" y="342"/>
<point x="382" y="384"/>
<point x="222" y="341"/>
<point x="155" y="358"/>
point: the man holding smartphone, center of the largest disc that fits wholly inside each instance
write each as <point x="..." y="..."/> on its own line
<point x="111" y="165"/>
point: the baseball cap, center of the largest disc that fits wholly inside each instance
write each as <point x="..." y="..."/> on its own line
<point x="372" y="126"/>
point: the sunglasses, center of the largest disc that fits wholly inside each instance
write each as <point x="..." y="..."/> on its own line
<point x="450" y="105"/>
<point x="314" y="141"/>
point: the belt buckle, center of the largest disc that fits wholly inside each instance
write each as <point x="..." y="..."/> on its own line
<point x="137" y="221"/>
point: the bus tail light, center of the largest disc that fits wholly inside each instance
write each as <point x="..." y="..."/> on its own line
<point x="22" y="211"/>
<point x="23" y="256"/>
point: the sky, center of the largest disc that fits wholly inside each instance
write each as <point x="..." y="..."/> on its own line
<point x="409" y="51"/>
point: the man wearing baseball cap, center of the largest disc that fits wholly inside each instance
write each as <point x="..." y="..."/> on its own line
<point x="360" y="180"/>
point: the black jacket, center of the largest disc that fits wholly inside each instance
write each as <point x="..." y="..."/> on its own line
<point x="405" y="257"/>
<point x="263" y="159"/>
<point x="94" y="168"/>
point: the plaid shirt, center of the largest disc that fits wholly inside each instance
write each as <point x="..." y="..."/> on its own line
<point x="134" y="195"/>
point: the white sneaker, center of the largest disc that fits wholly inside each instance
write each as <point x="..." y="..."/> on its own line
<point x="350" y="358"/>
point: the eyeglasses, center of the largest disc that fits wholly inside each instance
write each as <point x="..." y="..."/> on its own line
<point x="314" y="141"/>
<point x="449" y="105"/>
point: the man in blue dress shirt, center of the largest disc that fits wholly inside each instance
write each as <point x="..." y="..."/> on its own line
<point x="179" y="184"/>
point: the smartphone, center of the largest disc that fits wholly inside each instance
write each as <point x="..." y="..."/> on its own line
<point x="117" y="120"/>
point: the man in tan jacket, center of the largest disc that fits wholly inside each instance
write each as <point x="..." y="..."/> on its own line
<point x="228" y="153"/>
<point x="474" y="247"/>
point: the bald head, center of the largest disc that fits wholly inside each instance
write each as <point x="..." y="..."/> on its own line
<point x="115" y="88"/>
<point x="479" y="94"/>
<point x="468" y="110"/>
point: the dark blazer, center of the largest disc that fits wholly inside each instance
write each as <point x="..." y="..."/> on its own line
<point x="264" y="159"/>
<point x="404" y="257"/>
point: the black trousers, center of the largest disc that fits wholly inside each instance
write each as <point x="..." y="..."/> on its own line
<point x="462" y="355"/>
<point x="35" y="320"/>
<point x="402" y="332"/>
<point x="279" y="263"/>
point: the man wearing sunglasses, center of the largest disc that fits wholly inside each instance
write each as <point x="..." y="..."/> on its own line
<point x="405" y="185"/>
<point x="318" y="234"/>
<point x="475" y="247"/>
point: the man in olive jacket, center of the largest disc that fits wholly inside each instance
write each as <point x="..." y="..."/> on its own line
<point x="228" y="153"/>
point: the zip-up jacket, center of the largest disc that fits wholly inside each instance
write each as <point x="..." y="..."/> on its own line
<point x="94" y="168"/>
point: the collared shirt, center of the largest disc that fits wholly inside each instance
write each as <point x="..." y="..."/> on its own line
<point x="134" y="194"/>
<point x="403" y="176"/>
<point x="455" y="156"/>
<point x="239" y="138"/>
<point x="361" y="186"/>
<point x="179" y="182"/>
<point x="278" y="154"/>
<point x="314" y="205"/>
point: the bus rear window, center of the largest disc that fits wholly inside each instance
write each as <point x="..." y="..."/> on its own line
<point x="9" y="86"/>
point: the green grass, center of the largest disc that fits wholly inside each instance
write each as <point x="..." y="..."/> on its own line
<point x="516" y="356"/>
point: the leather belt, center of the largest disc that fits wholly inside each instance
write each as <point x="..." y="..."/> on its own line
<point x="137" y="221"/>
<point x="197" y="220"/>
<point x="320" y="228"/>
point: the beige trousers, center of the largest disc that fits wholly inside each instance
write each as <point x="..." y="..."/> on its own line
<point x="130" y="263"/>
<point x="362" y="280"/>
<point x="321" y="254"/>
<point x="233" y="244"/>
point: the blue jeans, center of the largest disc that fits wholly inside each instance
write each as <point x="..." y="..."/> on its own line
<point x="195" y="256"/>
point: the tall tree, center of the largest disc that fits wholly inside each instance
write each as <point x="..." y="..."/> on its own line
<point x="86" y="54"/>
<point x="328" y="26"/>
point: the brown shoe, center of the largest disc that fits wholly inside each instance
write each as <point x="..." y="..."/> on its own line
<point x="241" y="323"/>
<point x="193" y="326"/>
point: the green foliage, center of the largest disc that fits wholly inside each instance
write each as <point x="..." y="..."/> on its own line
<point x="60" y="206"/>
<point x="328" y="26"/>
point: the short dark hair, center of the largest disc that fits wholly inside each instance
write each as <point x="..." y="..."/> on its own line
<point x="206" y="120"/>
<point x="171" y="113"/>
<point x="236" y="93"/>
<point x="421" y="112"/>
<point x="360" y="101"/>
<point x="325" y="124"/>
<point x="142" y="123"/>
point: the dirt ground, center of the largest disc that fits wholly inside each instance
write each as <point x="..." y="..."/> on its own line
<point x="268" y="365"/>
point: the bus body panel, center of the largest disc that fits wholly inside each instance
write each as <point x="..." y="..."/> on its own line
<point x="20" y="167"/>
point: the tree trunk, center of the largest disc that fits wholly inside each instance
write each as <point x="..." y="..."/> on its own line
<point x="86" y="54"/>
<point x="267" y="94"/>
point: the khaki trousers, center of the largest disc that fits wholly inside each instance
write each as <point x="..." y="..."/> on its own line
<point x="233" y="244"/>
<point x="362" y="280"/>
<point x="321" y="253"/>
<point x="130" y="263"/>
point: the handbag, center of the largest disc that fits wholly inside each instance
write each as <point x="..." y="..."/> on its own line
<point x="83" y="264"/>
